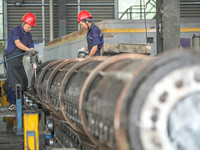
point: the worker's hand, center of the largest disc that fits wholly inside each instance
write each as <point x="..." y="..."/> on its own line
<point x="32" y="52"/>
<point x="32" y="49"/>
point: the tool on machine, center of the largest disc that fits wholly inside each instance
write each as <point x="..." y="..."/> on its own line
<point x="34" y="60"/>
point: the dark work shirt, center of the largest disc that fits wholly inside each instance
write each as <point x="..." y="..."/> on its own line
<point x="18" y="33"/>
<point x="97" y="36"/>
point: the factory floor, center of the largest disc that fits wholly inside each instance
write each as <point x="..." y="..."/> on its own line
<point x="8" y="138"/>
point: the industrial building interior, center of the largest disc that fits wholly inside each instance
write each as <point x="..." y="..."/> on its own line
<point x="141" y="93"/>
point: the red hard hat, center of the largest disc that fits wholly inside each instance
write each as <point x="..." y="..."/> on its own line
<point x="30" y="19"/>
<point x="83" y="15"/>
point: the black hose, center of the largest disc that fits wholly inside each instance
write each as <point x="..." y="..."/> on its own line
<point x="11" y="58"/>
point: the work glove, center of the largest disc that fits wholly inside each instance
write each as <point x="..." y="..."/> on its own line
<point x="82" y="52"/>
<point x="31" y="52"/>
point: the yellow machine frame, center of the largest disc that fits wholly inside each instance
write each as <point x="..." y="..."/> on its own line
<point x="31" y="132"/>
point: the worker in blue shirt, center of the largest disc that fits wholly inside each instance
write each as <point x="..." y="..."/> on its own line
<point x="20" y="41"/>
<point x="94" y="36"/>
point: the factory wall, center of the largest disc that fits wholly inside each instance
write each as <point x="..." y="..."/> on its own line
<point x="115" y="32"/>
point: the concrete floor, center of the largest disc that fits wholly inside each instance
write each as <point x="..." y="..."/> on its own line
<point x="8" y="139"/>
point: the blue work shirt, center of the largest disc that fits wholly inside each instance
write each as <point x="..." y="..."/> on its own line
<point x="18" y="33"/>
<point x="96" y="37"/>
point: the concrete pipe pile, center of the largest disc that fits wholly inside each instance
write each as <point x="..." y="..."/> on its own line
<point x="127" y="101"/>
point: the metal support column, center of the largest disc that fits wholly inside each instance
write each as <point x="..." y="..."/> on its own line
<point x="19" y="109"/>
<point x="79" y="9"/>
<point x="167" y="25"/>
<point x="116" y="10"/>
<point x="61" y="18"/>
<point x="159" y="26"/>
<point x="43" y="24"/>
<point x="5" y="21"/>
<point x="51" y="19"/>
<point x="171" y="24"/>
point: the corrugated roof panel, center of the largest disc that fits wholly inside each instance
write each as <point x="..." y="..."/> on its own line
<point x="71" y="19"/>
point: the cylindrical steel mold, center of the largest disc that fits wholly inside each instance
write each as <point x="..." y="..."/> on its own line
<point x="127" y="101"/>
<point x="42" y="81"/>
<point x="70" y="89"/>
<point x="35" y="79"/>
<point x="54" y="83"/>
<point x="169" y="82"/>
<point x="100" y="93"/>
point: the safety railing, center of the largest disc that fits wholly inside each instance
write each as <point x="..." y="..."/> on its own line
<point x="147" y="11"/>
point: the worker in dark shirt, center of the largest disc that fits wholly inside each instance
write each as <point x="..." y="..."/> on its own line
<point x="20" y="41"/>
<point x="94" y="36"/>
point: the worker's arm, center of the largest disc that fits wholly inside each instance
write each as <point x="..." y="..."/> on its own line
<point x="93" y="51"/>
<point x="20" y="45"/>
